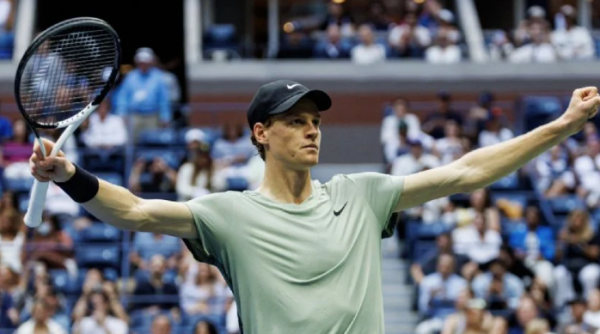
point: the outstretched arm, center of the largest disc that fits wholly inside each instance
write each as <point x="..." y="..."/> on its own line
<point x="484" y="166"/>
<point x="116" y="205"/>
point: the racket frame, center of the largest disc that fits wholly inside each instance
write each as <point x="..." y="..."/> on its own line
<point x="33" y="217"/>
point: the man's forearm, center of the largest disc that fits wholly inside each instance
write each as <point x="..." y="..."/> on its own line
<point x="488" y="164"/>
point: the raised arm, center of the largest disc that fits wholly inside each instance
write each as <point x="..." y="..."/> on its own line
<point x="113" y="204"/>
<point x="486" y="165"/>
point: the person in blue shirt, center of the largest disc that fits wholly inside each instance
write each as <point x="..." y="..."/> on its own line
<point x="144" y="94"/>
<point x="535" y="245"/>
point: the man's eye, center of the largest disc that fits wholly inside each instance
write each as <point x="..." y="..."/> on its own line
<point x="297" y="121"/>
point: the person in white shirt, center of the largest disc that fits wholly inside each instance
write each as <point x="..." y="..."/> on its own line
<point x="105" y="130"/>
<point x="415" y="161"/>
<point x="444" y="51"/>
<point x="197" y="177"/>
<point x="572" y="42"/>
<point x="476" y="241"/>
<point x="540" y="50"/>
<point x="409" y="39"/>
<point x="389" y="126"/>
<point x="41" y="322"/>
<point x="591" y="317"/>
<point x="587" y="170"/>
<point x="494" y="133"/>
<point x="450" y="147"/>
<point x="100" y="321"/>
<point x="368" y="51"/>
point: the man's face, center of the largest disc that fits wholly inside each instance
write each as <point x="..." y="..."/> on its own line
<point x="445" y="265"/>
<point x="294" y="137"/>
<point x="161" y="325"/>
<point x="144" y="66"/>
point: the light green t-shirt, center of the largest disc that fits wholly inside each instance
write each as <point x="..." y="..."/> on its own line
<point x="313" y="267"/>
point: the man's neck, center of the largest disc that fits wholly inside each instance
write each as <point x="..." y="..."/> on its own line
<point x="285" y="185"/>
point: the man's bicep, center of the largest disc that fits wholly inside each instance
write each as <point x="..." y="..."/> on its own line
<point x="431" y="184"/>
<point x="167" y="217"/>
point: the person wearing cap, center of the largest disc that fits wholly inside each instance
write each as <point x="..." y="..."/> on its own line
<point x="293" y="248"/>
<point x="144" y="94"/>
<point x="573" y="42"/>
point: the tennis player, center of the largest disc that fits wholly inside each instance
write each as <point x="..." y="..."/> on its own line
<point x="299" y="255"/>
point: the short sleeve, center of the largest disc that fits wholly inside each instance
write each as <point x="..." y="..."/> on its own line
<point x="382" y="192"/>
<point x="210" y="222"/>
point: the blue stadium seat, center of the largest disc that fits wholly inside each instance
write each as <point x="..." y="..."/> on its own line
<point x="539" y="110"/>
<point x="110" y="274"/>
<point x="431" y="231"/>
<point x="18" y="185"/>
<point x="100" y="232"/>
<point x="97" y="255"/>
<point x="160" y="137"/>
<point x="565" y="204"/>
<point x="421" y="248"/>
<point x="114" y="178"/>
<point x="597" y="45"/>
<point x="509" y="182"/>
<point x="237" y="183"/>
<point x="220" y="36"/>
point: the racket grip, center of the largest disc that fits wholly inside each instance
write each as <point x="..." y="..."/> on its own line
<point x="37" y="202"/>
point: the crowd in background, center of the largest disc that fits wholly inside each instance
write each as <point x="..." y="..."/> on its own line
<point x="498" y="265"/>
<point x="426" y="30"/>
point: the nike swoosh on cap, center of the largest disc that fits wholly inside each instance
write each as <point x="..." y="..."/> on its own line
<point x="292" y="86"/>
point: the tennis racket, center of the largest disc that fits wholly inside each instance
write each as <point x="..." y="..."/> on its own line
<point x="62" y="78"/>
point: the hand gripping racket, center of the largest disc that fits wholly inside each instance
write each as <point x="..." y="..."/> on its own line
<point x="62" y="78"/>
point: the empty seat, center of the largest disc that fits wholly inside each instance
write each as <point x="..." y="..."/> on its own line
<point x="100" y="232"/>
<point x="539" y="110"/>
<point x="160" y="137"/>
<point x="19" y="185"/>
<point x="96" y="255"/>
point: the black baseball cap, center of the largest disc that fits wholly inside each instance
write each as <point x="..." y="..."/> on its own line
<point x="279" y="96"/>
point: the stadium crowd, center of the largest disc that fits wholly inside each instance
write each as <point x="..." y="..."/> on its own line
<point x="426" y="30"/>
<point x="521" y="256"/>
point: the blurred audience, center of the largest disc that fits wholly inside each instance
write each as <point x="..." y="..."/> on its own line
<point x="104" y="130"/>
<point x="368" y="51"/>
<point x="444" y="50"/>
<point x="441" y="285"/>
<point x="41" y="322"/>
<point x="409" y="40"/>
<point x="572" y="42"/>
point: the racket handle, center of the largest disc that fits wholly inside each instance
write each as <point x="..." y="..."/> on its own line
<point x="37" y="202"/>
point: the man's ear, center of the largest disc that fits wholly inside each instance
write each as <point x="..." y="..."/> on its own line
<point x="261" y="133"/>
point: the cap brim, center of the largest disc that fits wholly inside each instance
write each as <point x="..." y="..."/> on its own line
<point x="318" y="97"/>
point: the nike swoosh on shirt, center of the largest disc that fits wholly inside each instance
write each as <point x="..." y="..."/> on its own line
<point x="337" y="213"/>
<point x="292" y="86"/>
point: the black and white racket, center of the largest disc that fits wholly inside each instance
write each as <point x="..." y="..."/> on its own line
<point x="62" y="78"/>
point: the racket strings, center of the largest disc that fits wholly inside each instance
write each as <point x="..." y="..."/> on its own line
<point x="67" y="72"/>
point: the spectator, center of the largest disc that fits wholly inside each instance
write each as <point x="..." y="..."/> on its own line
<point x="450" y="147"/>
<point x="427" y="264"/>
<point x="9" y="316"/>
<point x="205" y="327"/>
<point x="100" y="319"/>
<point x="409" y="40"/>
<point x="494" y="132"/>
<point x="390" y="125"/>
<point x="12" y="238"/>
<point x="477" y="241"/>
<point x="536" y="16"/>
<point x="367" y="51"/>
<point x="443" y="285"/>
<point x="480" y="202"/>
<point x="295" y="45"/>
<point x="16" y="152"/>
<point x="591" y="317"/>
<point x="10" y="282"/>
<point x="197" y="177"/>
<point x="152" y="176"/>
<point x="41" y="322"/>
<point x="498" y="287"/>
<point x="429" y="15"/>
<point x="155" y="281"/>
<point x="586" y="167"/>
<point x="577" y="252"/>
<point x="444" y="50"/>
<point x="534" y="244"/>
<point x="556" y="176"/>
<point x="415" y="161"/>
<point x="334" y="46"/>
<point x="515" y="265"/>
<point x="501" y="46"/>
<point x="52" y="246"/>
<point x="202" y="293"/>
<point x="478" y="115"/>
<point x="6" y="129"/>
<point x="540" y="50"/>
<point x="537" y="326"/>
<point x="105" y="130"/>
<point x="397" y="146"/>
<point x="572" y="42"/>
<point x="146" y="245"/>
<point x="434" y="124"/>
<point x="518" y="320"/>
<point x="234" y="148"/>
<point x="161" y="325"/>
<point x="44" y="291"/>
<point x="446" y="22"/>
<point x="576" y="324"/>
<point x="144" y="95"/>
<point x="378" y="16"/>
<point x="336" y="14"/>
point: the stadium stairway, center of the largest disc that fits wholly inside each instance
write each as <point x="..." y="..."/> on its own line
<point x="397" y="296"/>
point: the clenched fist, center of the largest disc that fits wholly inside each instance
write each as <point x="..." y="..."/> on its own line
<point x="584" y="105"/>
<point x="57" y="169"/>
